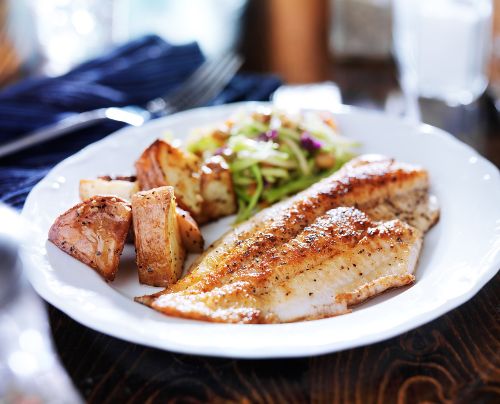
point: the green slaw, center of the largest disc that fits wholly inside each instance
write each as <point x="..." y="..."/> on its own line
<point x="273" y="154"/>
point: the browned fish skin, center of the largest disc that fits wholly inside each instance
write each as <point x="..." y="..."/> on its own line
<point x="364" y="183"/>
<point x="217" y="288"/>
<point x="340" y="260"/>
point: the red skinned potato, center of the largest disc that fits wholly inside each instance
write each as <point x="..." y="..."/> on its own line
<point x="217" y="191"/>
<point x="160" y="252"/>
<point x="191" y="236"/>
<point x="162" y="164"/>
<point x="99" y="186"/>
<point x="94" y="232"/>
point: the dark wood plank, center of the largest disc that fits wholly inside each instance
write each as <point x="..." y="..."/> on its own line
<point x="455" y="358"/>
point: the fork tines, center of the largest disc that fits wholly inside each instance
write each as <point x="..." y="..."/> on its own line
<point x="203" y="85"/>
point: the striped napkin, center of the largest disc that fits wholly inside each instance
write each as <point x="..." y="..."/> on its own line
<point x="131" y="74"/>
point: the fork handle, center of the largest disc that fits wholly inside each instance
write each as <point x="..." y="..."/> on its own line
<point x="58" y="129"/>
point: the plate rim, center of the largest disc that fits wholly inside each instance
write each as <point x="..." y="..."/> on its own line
<point x="492" y="266"/>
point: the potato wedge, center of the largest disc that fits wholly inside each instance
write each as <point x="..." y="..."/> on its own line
<point x="94" y="232"/>
<point x="160" y="253"/>
<point x="217" y="191"/>
<point x="163" y="164"/>
<point x="119" y="188"/>
<point x="191" y="236"/>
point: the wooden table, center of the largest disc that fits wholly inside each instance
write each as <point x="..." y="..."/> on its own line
<point x="455" y="358"/>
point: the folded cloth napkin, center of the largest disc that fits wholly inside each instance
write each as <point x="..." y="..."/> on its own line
<point x="131" y="74"/>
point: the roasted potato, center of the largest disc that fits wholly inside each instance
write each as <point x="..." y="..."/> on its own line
<point x="128" y="178"/>
<point x="119" y="188"/>
<point x="191" y="236"/>
<point x="160" y="253"/>
<point x="217" y="191"/>
<point x="163" y="164"/>
<point x="94" y="232"/>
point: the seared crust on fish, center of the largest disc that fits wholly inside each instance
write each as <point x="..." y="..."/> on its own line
<point x="341" y="259"/>
<point x="382" y="187"/>
<point x="364" y="183"/>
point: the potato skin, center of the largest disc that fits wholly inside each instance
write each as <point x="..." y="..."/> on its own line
<point x="94" y="232"/>
<point x="217" y="190"/>
<point x="191" y="236"/>
<point x="162" y="164"/>
<point x="160" y="253"/>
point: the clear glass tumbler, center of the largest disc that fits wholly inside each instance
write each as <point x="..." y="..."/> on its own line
<point x="443" y="47"/>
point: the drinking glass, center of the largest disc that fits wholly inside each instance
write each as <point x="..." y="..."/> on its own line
<point x="442" y="47"/>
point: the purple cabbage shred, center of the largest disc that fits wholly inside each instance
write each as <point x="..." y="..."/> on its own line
<point x="269" y="135"/>
<point x="222" y="151"/>
<point x="309" y="143"/>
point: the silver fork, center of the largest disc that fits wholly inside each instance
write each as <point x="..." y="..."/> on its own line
<point x="202" y="86"/>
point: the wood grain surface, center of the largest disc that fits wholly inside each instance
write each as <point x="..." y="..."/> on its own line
<point x="455" y="358"/>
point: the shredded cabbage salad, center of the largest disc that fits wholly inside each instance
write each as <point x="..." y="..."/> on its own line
<point x="273" y="154"/>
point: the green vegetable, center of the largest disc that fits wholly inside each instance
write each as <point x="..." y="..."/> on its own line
<point x="246" y="211"/>
<point x="272" y="155"/>
<point x="299" y="154"/>
<point x="274" y="172"/>
<point x="204" y="143"/>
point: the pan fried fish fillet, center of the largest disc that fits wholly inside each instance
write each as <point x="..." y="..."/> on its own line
<point x="339" y="260"/>
<point x="383" y="188"/>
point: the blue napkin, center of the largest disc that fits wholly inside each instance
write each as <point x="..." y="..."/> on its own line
<point x="131" y="74"/>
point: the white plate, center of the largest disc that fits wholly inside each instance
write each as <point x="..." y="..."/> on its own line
<point x="461" y="253"/>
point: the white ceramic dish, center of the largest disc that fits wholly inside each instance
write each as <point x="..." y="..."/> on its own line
<point x="461" y="253"/>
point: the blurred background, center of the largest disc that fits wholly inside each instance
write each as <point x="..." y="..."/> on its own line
<point x="436" y="61"/>
<point x="448" y="44"/>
